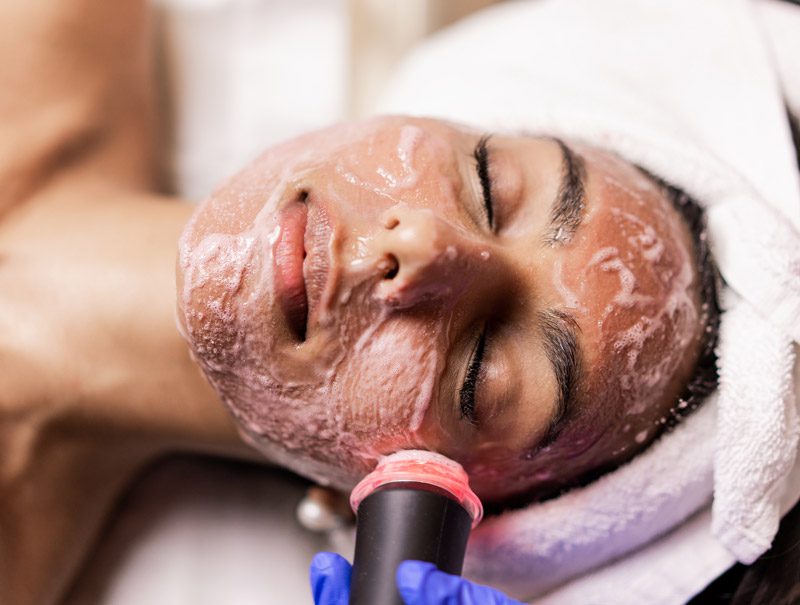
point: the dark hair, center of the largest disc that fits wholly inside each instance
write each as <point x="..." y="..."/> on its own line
<point x="705" y="377"/>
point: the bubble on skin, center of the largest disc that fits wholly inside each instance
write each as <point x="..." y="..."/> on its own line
<point x="344" y="429"/>
<point x="322" y="427"/>
<point x="218" y="261"/>
<point x="641" y="184"/>
<point x="679" y="312"/>
<point x="569" y="298"/>
<point x="607" y="259"/>
<point x="405" y="177"/>
<point x="409" y="137"/>
<point x="409" y="378"/>
<point x="636" y="194"/>
<point x="387" y="176"/>
<point x="377" y="188"/>
<point x="646" y="240"/>
<point x="559" y="236"/>
<point x="347" y="176"/>
<point x="670" y="316"/>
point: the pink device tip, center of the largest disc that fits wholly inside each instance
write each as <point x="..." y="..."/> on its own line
<point x="419" y="466"/>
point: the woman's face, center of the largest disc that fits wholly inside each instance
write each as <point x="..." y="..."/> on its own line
<point x="526" y="307"/>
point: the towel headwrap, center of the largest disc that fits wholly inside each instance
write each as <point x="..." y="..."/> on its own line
<point x="687" y="90"/>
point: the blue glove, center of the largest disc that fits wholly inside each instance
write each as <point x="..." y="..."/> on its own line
<point x="423" y="584"/>
<point x="330" y="579"/>
<point x="419" y="584"/>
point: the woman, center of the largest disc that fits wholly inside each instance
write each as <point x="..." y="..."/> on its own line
<point x="599" y="91"/>
<point x="360" y="290"/>
<point x="405" y="270"/>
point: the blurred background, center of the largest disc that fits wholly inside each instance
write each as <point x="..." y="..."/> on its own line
<point x="240" y="75"/>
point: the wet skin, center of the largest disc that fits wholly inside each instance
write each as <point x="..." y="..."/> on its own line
<point x="375" y="287"/>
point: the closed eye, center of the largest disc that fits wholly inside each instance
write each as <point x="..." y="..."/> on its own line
<point x="467" y="393"/>
<point x="481" y="155"/>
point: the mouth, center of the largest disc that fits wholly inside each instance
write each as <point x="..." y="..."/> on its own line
<point x="288" y="258"/>
<point x="301" y="263"/>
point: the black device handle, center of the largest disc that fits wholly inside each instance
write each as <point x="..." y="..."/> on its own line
<point x="401" y="521"/>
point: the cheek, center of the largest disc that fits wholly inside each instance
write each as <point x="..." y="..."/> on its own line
<point x="388" y="385"/>
<point x="211" y="274"/>
<point x="330" y="415"/>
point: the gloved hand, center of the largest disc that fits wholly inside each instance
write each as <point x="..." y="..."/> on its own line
<point x="419" y="584"/>
<point x="422" y="583"/>
<point x="330" y="579"/>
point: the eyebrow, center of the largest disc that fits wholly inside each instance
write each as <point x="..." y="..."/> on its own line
<point x="559" y="330"/>
<point x="567" y="212"/>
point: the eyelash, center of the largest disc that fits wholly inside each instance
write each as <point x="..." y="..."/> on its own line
<point x="481" y="155"/>
<point x="466" y="395"/>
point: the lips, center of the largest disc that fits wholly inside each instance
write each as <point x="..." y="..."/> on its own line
<point x="301" y="263"/>
<point x="289" y="255"/>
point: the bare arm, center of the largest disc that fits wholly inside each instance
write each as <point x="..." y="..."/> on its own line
<point x="95" y="380"/>
<point x="76" y="91"/>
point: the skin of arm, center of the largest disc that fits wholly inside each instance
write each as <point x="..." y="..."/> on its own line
<point x="96" y="382"/>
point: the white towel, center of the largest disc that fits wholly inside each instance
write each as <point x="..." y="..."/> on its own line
<point x="688" y="90"/>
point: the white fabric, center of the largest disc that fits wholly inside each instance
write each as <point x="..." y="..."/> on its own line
<point x="756" y="432"/>
<point x="204" y="532"/>
<point x="688" y="90"/>
<point x="237" y="80"/>
<point x="781" y="27"/>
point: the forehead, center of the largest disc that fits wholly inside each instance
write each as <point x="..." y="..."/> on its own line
<point x="633" y="276"/>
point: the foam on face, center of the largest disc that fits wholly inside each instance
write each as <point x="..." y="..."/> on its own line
<point x="362" y="383"/>
<point x="569" y="299"/>
<point x="649" y="314"/>
<point x="322" y="406"/>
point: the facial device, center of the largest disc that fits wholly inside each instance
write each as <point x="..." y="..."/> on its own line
<point x="414" y="505"/>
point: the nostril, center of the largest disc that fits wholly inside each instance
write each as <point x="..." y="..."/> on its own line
<point x="391" y="222"/>
<point x="389" y="266"/>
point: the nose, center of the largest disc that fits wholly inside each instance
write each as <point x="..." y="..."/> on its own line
<point x="424" y="257"/>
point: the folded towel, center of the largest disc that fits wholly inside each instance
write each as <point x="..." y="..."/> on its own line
<point x="688" y="90"/>
<point x="757" y="432"/>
